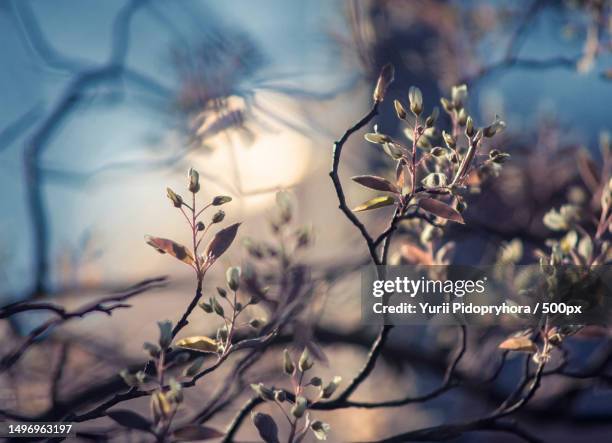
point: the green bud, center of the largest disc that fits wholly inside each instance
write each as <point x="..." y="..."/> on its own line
<point x="304" y="364"/>
<point x="194" y="180"/>
<point x="449" y="140"/>
<point x="438" y="151"/>
<point x="280" y="396"/>
<point x="299" y="407"/>
<point x="264" y="392"/>
<point x="494" y="128"/>
<point x="222" y="292"/>
<point x="206" y="307"/>
<point x="200" y="226"/>
<point x="217" y="307"/>
<point x="320" y="429"/>
<point x="165" y="333"/>
<point x="232" y="276"/>
<point x="459" y="96"/>
<point x="446" y="105"/>
<point x="462" y="117"/>
<point x="331" y="387"/>
<point x="379" y="139"/>
<point x="218" y="217"/>
<point x="469" y="127"/>
<point x="316" y="381"/>
<point x="399" y="110"/>
<point x="176" y="199"/>
<point x="221" y="200"/>
<point x="288" y="365"/>
<point x="416" y="100"/>
<point x="431" y="120"/>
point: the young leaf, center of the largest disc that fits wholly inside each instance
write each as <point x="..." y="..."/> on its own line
<point x="199" y="343"/>
<point x="375" y="203"/>
<point x="219" y="244"/>
<point x="377" y="138"/>
<point x="130" y="419"/>
<point x="195" y="433"/>
<point x="377" y="183"/>
<point x="266" y="426"/>
<point x="442" y="210"/>
<point x="519" y="344"/>
<point x="165" y="246"/>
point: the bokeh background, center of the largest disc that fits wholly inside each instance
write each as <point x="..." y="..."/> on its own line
<point x="104" y="104"/>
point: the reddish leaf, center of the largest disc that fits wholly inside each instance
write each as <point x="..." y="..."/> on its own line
<point x="219" y="244"/>
<point x="377" y="183"/>
<point x="442" y="210"/>
<point x="165" y="246"/>
<point x="196" y="432"/>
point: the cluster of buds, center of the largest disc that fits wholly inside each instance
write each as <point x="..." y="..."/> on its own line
<point x="299" y="404"/>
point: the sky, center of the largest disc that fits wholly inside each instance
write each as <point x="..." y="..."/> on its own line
<point x="299" y="46"/>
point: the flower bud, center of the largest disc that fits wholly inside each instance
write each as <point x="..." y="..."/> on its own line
<point x="165" y="333"/>
<point x="232" y="276"/>
<point x="494" y="128"/>
<point x="221" y="200"/>
<point x="469" y="127"/>
<point x="288" y="365"/>
<point x="446" y="105"/>
<point x="316" y="381"/>
<point x="459" y="96"/>
<point x="264" y="392"/>
<point x="206" y="307"/>
<point x="399" y="110"/>
<point x="331" y="387"/>
<point x="431" y="120"/>
<point x="449" y="140"/>
<point x="416" y="100"/>
<point x="320" y="429"/>
<point x="194" y="180"/>
<point x="462" y="117"/>
<point x="299" y="407"/>
<point x="219" y="216"/>
<point x="200" y="226"/>
<point x="280" y="396"/>
<point x="222" y="292"/>
<point x="177" y="200"/>
<point x="304" y="364"/>
<point x="217" y="307"/>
